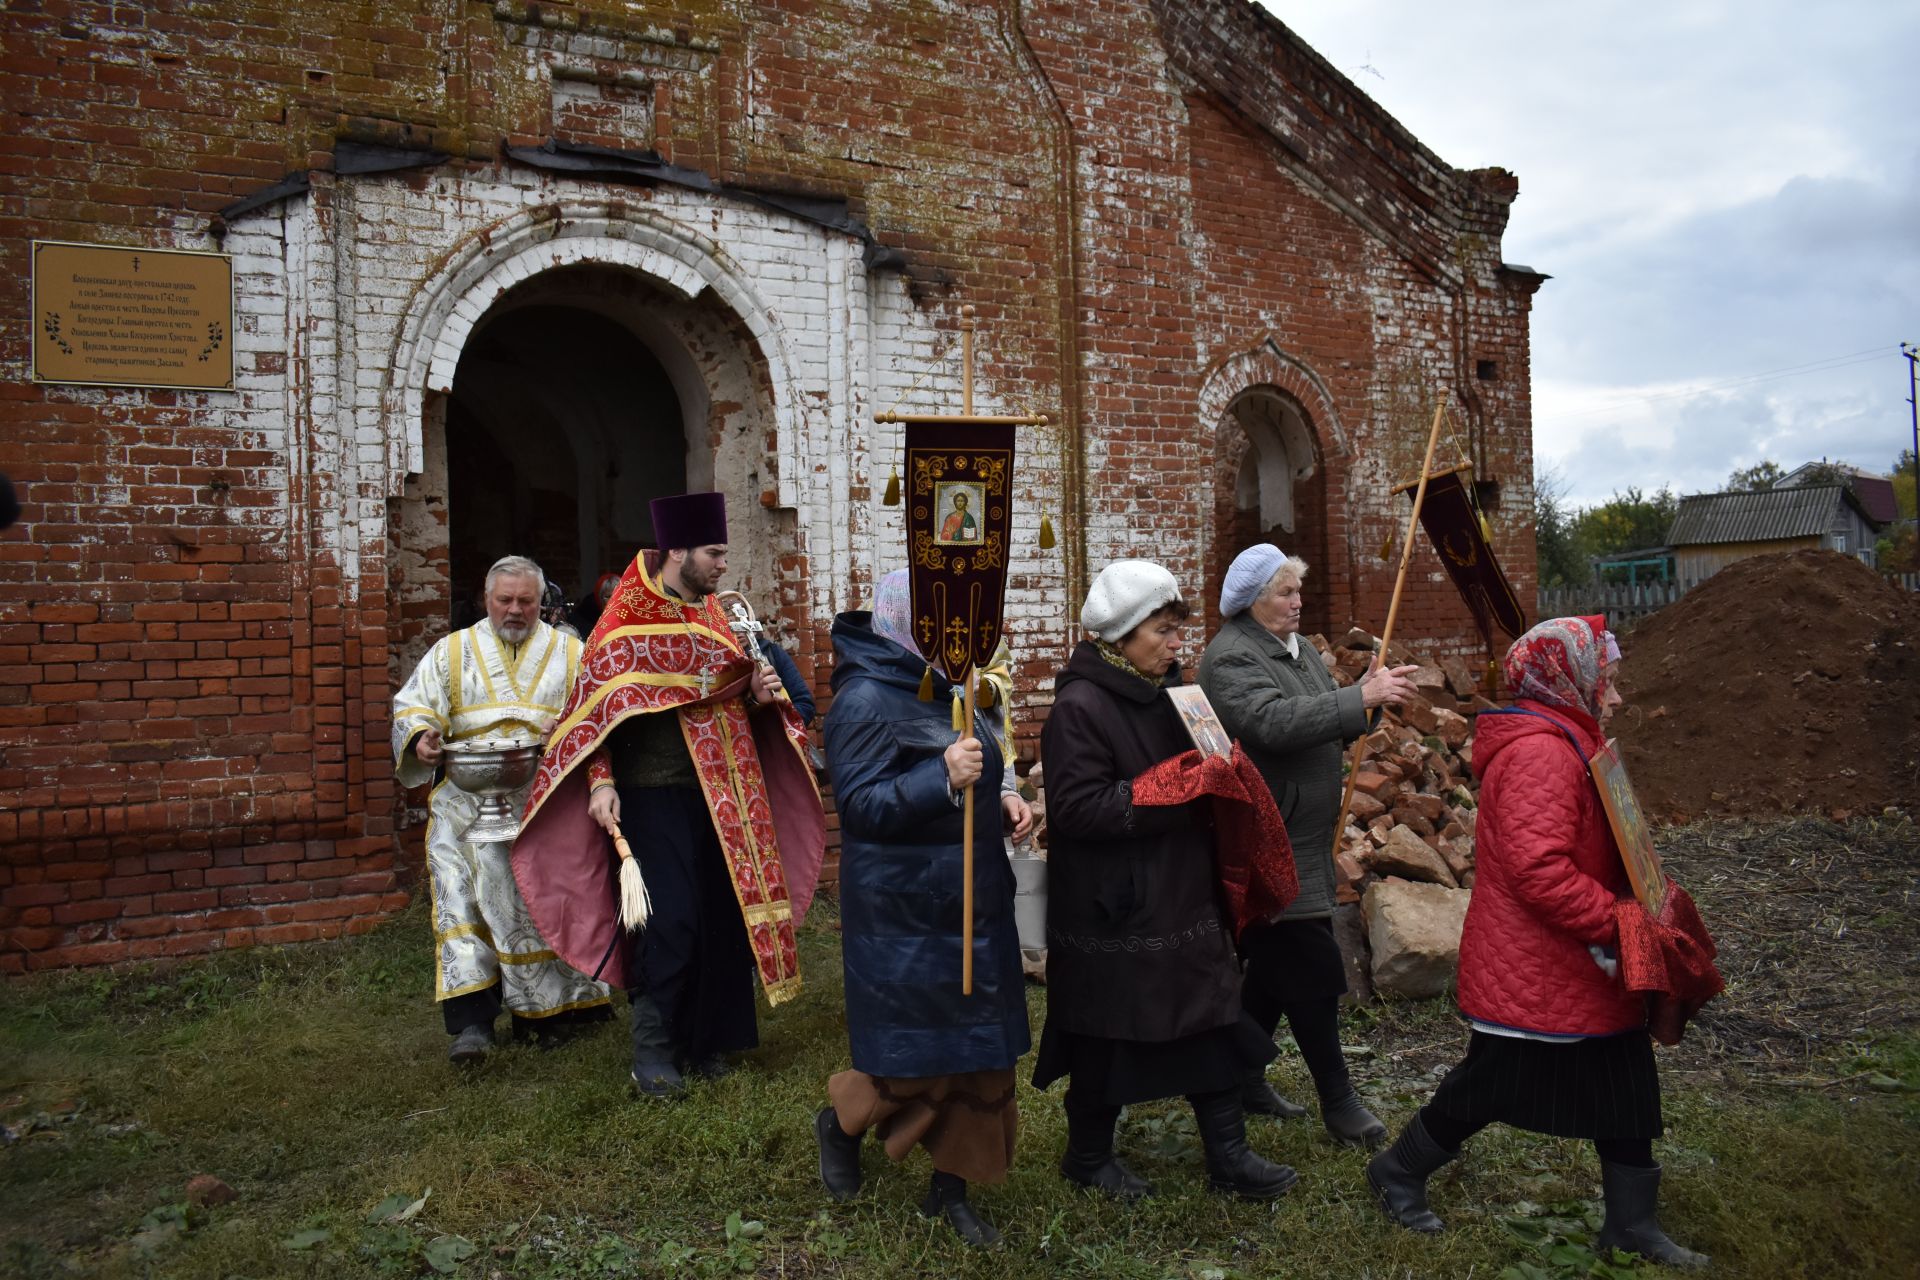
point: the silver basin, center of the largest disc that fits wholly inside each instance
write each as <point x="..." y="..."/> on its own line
<point x="490" y="770"/>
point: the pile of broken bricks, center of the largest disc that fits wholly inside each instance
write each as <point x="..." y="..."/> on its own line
<point x="1405" y="857"/>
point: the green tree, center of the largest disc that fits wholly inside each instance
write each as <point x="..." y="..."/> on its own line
<point x="1561" y="563"/>
<point x="1902" y="477"/>
<point x="1762" y="475"/>
<point x="1631" y="520"/>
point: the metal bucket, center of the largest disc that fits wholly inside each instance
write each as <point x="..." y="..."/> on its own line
<point x="1030" y="901"/>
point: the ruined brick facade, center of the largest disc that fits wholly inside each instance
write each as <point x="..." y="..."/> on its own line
<point x="608" y="249"/>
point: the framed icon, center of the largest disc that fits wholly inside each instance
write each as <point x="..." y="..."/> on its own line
<point x="959" y="507"/>
<point x="1630" y="830"/>
<point x="1202" y="725"/>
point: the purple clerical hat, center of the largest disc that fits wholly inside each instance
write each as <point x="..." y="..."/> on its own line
<point x="689" y="520"/>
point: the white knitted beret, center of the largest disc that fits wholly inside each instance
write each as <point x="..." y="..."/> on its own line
<point x="1122" y="596"/>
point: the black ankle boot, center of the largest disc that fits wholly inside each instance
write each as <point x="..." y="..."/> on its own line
<point x="1090" y="1161"/>
<point x="1399" y="1176"/>
<point x="1630" y="1224"/>
<point x="947" y="1198"/>
<point x="1349" y="1121"/>
<point x="1232" y="1166"/>
<point x="839" y="1156"/>
<point x="1258" y="1098"/>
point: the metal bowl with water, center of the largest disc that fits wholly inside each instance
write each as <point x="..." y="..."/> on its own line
<point x="490" y="770"/>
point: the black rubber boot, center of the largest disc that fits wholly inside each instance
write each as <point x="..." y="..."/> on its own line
<point x="947" y="1198"/>
<point x="1232" y="1166"/>
<point x="1258" y="1098"/>
<point x="1630" y="1224"/>
<point x="839" y="1155"/>
<point x="1090" y="1161"/>
<point x="655" y="1072"/>
<point x="1349" y="1121"/>
<point x="1399" y="1176"/>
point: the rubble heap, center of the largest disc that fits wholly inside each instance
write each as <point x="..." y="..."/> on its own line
<point x="1405" y="858"/>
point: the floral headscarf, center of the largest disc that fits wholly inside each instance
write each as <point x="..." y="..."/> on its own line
<point x="893" y="611"/>
<point x="1563" y="662"/>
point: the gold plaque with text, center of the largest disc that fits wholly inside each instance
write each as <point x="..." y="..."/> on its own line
<point x="109" y="316"/>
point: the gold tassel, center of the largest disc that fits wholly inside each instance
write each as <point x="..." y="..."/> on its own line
<point x="1493" y="677"/>
<point x="892" y="496"/>
<point x="1386" y="548"/>
<point x="1486" y="528"/>
<point x="926" y="685"/>
<point x="983" y="694"/>
<point x="959" y="715"/>
<point x="1046" y="532"/>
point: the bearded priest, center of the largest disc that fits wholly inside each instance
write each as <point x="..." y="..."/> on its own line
<point x="506" y="674"/>
<point x="677" y="737"/>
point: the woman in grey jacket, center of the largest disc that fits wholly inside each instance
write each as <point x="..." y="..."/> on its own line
<point x="1275" y="697"/>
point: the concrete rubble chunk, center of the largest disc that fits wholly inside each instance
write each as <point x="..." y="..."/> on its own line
<point x="1405" y="854"/>
<point x="1350" y="931"/>
<point x="1460" y="676"/>
<point x="1452" y="728"/>
<point x="1413" y="931"/>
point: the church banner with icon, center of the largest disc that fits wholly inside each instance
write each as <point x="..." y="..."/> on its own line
<point x="959" y="527"/>
<point x="1460" y="535"/>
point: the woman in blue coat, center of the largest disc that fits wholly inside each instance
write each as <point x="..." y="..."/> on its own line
<point x="931" y="1066"/>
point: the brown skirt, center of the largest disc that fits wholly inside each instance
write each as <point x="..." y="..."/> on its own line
<point x="966" y="1122"/>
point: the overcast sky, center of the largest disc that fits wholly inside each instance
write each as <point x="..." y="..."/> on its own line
<point x="1721" y="192"/>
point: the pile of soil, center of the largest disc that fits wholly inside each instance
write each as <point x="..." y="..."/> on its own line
<point x="1784" y="683"/>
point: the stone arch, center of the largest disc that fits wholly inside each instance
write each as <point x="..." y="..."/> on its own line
<point x="487" y="263"/>
<point x="1281" y="454"/>
<point x="496" y="265"/>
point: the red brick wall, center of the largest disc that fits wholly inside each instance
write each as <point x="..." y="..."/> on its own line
<point x="197" y="616"/>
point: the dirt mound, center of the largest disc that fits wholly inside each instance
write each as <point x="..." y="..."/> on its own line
<point x="1784" y="683"/>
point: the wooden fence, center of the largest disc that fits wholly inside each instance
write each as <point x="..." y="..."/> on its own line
<point x="1628" y="604"/>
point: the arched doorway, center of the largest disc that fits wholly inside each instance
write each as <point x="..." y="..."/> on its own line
<point x="563" y="423"/>
<point x="1271" y="487"/>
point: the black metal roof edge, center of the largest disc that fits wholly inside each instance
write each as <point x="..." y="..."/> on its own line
<point x="349" y="157"/>
<point x="830" y="212"/>
<point x="293" y="184"/>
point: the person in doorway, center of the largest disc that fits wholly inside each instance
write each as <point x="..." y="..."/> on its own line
<point x="1274" y="696"/>
<point x="687" y="742"/>
<point x="1559" y="1044"/>
<point x="930" y="1066"/>
<point x="506" y="674"/>
<point x="1143" y="987"/>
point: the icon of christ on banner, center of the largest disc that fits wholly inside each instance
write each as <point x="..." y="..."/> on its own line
<point x="961" y="522"/>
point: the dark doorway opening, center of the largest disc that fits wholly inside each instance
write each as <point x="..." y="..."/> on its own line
<point x="1274" y="492"/>
<point x="561" y="427"/>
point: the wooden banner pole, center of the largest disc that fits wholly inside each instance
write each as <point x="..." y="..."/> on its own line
<point x="966" y="859"/>
<point x="1393" y="613"/>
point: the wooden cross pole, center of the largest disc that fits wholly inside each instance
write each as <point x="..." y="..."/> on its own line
<point x="1393" y="613"/>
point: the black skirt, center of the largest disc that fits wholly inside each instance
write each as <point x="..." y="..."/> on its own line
<point x="1118" y="1073"/>
<point x="1288" y="961"/>
<point x="1599" y="1087"/>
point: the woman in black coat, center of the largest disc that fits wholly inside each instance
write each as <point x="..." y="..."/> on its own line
<point x="1143" y="988"/>
<point x="931" y="1066"/>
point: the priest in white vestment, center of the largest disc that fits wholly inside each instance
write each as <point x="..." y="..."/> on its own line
<point x="506" y="675"/>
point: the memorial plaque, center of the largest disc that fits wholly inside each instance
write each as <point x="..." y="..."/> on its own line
<point x="117" y="317"/>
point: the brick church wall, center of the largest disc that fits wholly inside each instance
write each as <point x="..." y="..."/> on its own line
<point x="1154" y="206"/>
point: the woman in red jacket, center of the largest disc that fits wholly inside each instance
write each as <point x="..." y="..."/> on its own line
<point x="1559" y="1045"/>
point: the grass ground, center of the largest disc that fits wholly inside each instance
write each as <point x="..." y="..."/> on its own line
<point x="313" y="1081"/>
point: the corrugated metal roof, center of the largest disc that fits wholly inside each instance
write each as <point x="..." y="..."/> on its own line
<point x="1769" y="514"/>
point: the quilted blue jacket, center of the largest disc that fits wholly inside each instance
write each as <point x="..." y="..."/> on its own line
<point x="900" y="873"/>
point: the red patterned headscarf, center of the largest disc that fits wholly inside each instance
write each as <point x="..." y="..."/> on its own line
<point x="1563" y="662"/>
